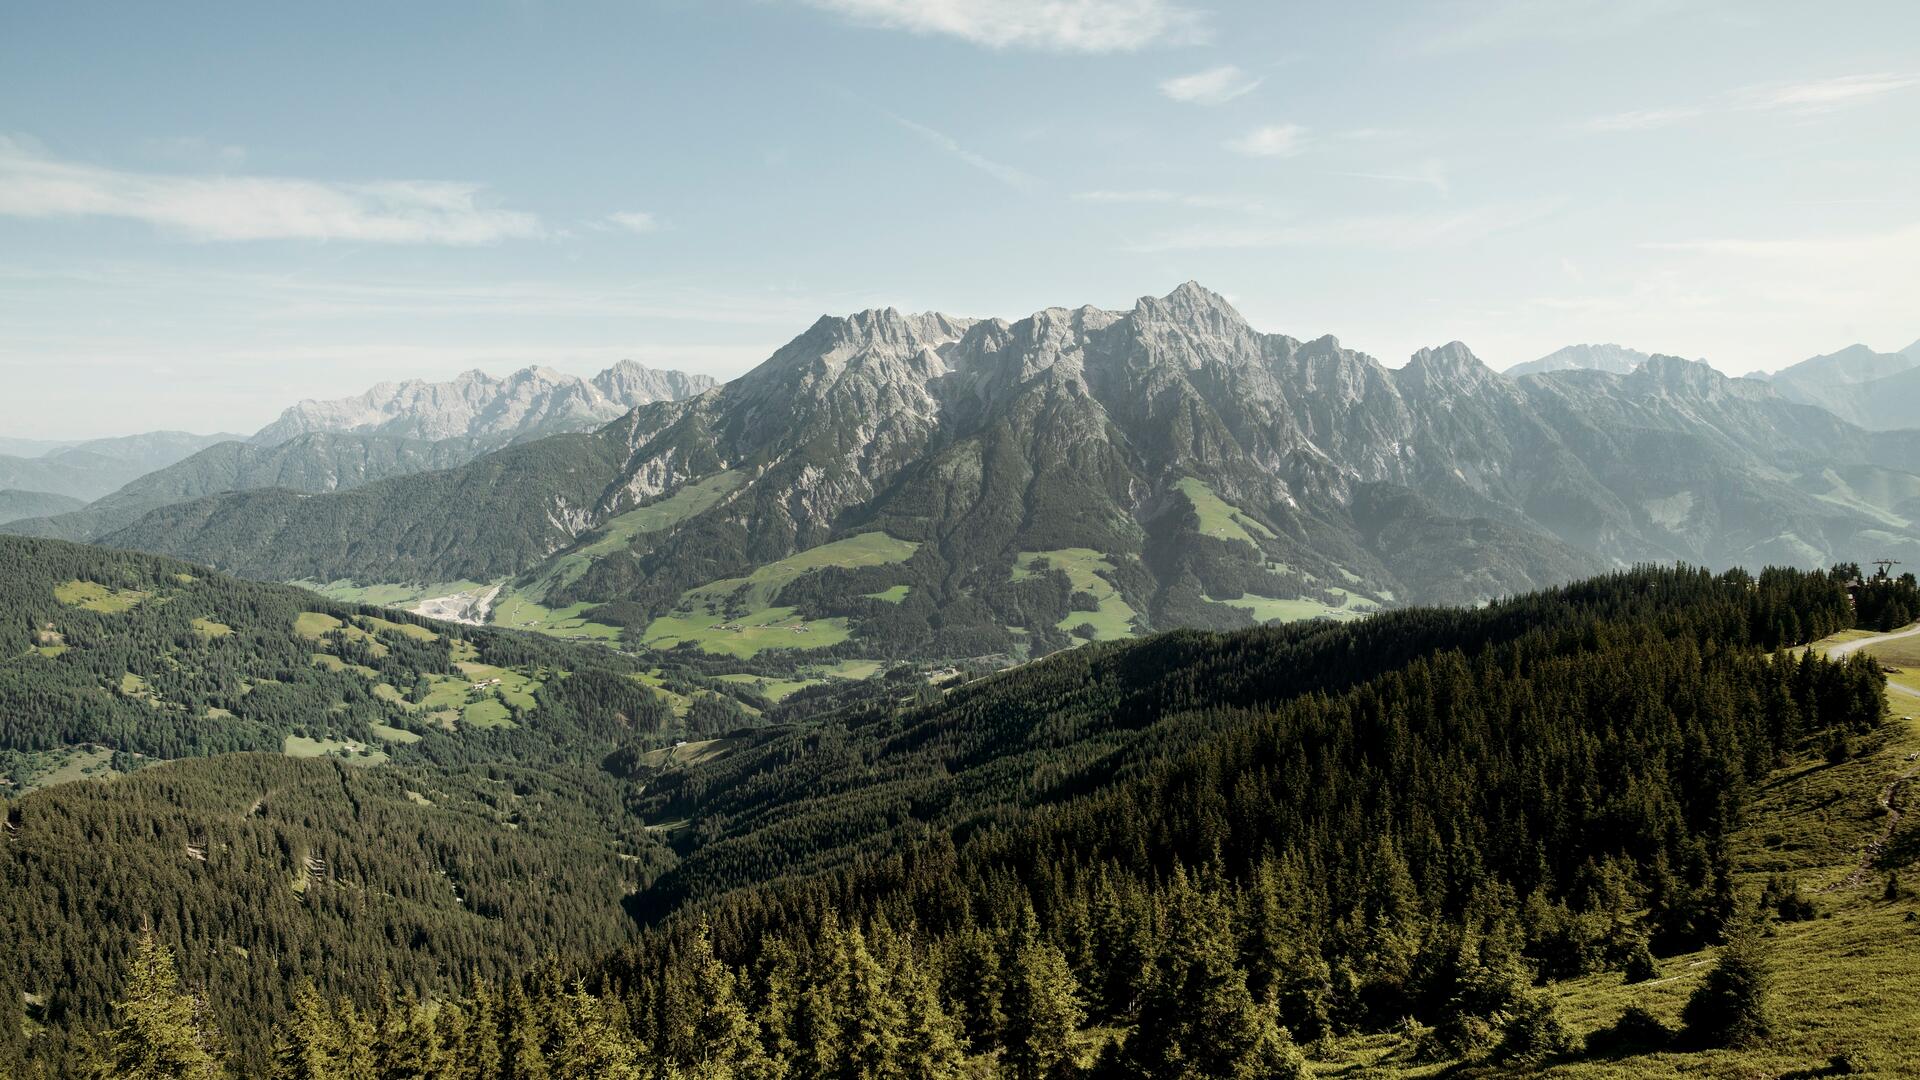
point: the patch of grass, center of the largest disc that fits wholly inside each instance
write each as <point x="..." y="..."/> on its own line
<point x="767" y="628"/>
<point x="488" y="713"/>
<point x="1274" y="609"/>
<point x="688" y="753"/>
<point x="769" y="687"/>
<point x="347" y="750"/>
<point x="892" y="594"/>
<point x="394" y="734"/>
<point x="689" y="500"/>
<point x="519" y="611"/>
<point x="1219" y="518"/>
<point x="210" y="630"/>
<point x="385" y="595"/>
<point x="417" y="633"/>
<point x="64" y="765"/>
<point x="93" y="596"/>
<point x="314" y="625"/>
<point x="1085" y="567"/>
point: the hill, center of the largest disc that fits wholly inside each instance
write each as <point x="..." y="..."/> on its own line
<point x="90" y="469"/>
<point x="15" y="505"/>
<point x="923" y="486"/>
<point x="1432" y="838"/>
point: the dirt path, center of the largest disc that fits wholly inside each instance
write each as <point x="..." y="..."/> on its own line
<point x="1889" y="801"/>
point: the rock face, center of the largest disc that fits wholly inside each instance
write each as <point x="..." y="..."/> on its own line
<point x="475" y="405"/>
<point x="1161" y="466"/>
<point x="1617" y="359"/>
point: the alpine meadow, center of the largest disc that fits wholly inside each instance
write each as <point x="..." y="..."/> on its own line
<point x="662" y="541"/>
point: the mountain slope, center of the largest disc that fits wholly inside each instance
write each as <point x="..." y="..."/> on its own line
<point x="894" y="485"/>
<point x="15" y="504"/>
<point x="1616" y="359"/>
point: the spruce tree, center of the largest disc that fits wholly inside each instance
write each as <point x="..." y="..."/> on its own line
<point x="163" y="1033"/>
<point x="309" y="1043"/>
<point x="1042" y="1003"/>
<point x="1730" y="1007"/>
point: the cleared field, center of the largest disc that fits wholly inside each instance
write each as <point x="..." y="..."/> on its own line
<point x="46" y="768"/>
<point x="210" y="630"/>
<point x="93" y="596"/>
<point x="734" y="616"/>
<point x="1220" y="518"/>
<point x="518" y="611"/>
<point x="691" y="499"/>
<point x="489" y="713"/>
<point x="350" y="752"/>
<point x="394" y="734"/>
<point x="1084" y="567"/>
<point x="769" y="687"/>
<point x="386" y="595"/>
<point x="892" y="594"/>
<point x="687" y="753"/>
<point x="1274" y="609"/>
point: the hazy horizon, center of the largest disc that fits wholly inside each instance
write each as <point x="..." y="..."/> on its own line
<point x="208" y="215"/>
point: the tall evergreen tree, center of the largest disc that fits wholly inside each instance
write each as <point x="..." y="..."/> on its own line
<point x="1042" y="1003"/>
<point x="163" y="1033"/>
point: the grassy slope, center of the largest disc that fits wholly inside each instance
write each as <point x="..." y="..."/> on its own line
<point x="1087" y="569"/>
<point x="1846" y="981"/>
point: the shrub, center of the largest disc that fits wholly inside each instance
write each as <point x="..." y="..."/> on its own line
<point x="1535" y="1033"/>
<point x="1636" y="1031"/>
<point x="1730" y="1007"/>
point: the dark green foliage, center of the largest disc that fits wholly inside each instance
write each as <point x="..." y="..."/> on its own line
<point x="1637" y="1031"/>
<point x="1731" y="1007"/>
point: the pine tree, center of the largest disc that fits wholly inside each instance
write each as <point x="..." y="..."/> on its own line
<point x="163" y="1032"/>
<point x="1041" y="1001"/>
<point x="1730" y="1007"/>
<point x="724" y="1041"/>
<point x="586" y="1045"/>
<point x="309" y="1044"/>
<point x="523" y="1034"/>
<point x="1197" y="1017"/>
<point x="931" y="1045"/>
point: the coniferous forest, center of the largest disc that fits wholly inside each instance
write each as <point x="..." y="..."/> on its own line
<point x="1198" y="855"/>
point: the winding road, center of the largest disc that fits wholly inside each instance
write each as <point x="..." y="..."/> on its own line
<point x="1848" y="648"/>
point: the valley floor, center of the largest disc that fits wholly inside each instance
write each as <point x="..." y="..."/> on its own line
<point x="1846" y="982"/>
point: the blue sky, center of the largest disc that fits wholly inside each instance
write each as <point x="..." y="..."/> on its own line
<point x="210" y="210"/>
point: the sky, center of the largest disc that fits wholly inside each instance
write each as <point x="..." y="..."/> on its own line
<point x="209" y="211"/>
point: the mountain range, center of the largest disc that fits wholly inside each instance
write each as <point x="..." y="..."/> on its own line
<point x="890" y="484"/>
<point x="391" y="430"/>
<point x="1876" y="390"/>
<point x="1617" y="359"/>
<point x="90" y="469"/>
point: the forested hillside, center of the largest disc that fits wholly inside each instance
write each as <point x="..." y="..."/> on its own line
<point x="1198" y="855"/>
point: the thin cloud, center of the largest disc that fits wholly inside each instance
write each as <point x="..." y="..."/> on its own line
<point x="1161" y="197"/>
<point x="221" y="207"/>
<point x="1277" y="140"/>
<point x="1808" y="98"/>
<point x="638" y="221"/>
<point x="1431" y="174"/>
<point x="1214" y="86"/>
<point x="1088" y="26"/>
<point x="1006" y="174"/>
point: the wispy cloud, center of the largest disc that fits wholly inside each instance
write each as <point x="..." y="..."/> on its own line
<point x="1806" y="98"/>
<point x="1214" y="86"/>
<point x="1006" y="174"/>
<point x="218" y="206"/>
<point x="639" y="221"/>
<point x="1091" y="26"/>
<point x="1431" y="173"/>
<point x="1388" y="231"/>
<point x="1277" y="140"/>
